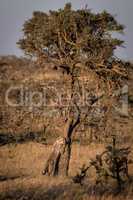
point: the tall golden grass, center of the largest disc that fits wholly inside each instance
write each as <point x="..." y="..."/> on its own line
<point x="21" y="166"/>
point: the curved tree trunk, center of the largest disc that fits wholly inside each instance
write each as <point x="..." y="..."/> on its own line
<point x="58" y="161"/>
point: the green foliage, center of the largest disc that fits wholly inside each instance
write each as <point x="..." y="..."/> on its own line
<point x="70" y="34"/>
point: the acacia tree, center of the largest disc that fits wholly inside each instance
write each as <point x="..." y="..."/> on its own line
<point x="70" y="34"/>
<point x="70" y="37"/>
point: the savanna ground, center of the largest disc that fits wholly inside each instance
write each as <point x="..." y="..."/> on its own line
<point x="21" y="179"/>
<point x="22" y="160"/>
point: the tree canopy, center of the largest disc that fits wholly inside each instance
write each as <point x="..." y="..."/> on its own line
<point x="68" y="34"/>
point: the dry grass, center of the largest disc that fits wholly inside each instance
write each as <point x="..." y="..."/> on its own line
<point x="21" y="167"/>
<point x="28" y="159"/>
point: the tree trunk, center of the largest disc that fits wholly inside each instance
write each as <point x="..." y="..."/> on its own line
<point x="58" y="161"/>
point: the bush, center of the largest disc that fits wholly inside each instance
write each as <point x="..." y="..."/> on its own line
<point x="112" y="163"/>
